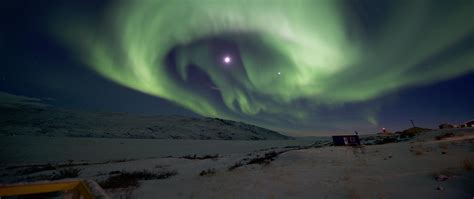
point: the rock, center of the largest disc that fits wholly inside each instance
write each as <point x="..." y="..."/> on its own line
<point x="441" y="178"/>
<point x="440" y="188"/>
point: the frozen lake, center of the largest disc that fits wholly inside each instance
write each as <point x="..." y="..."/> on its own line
<point x="30" y="149"/>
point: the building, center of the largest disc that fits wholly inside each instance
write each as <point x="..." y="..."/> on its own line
<point x="346" y="140"/>
<point x="469" y="123"/>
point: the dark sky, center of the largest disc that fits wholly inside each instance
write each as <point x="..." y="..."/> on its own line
<point x="38" y="64"/>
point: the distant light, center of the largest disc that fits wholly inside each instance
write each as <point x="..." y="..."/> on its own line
<point x="279" y="73"/>
<point x="227" y="59"/>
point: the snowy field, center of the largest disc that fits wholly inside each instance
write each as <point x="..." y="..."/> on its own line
<point x="436" y="164"/>
<point x="32" y="149"/>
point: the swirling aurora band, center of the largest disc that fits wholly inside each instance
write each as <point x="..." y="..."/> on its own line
<point x="289" y="58"/>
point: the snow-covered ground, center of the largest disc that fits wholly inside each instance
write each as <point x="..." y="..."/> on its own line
<point x="37" y="149"/>
<point x="395" y="170"/>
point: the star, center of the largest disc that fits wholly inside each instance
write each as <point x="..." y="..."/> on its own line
<point x="227" y="59"/>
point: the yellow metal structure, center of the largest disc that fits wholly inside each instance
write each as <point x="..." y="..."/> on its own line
<point x="46" y="187"/>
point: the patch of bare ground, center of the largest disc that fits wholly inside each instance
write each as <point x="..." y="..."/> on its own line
<point x="262" y="160"/>
<point x="207" y="172"/>
<point x="124" y="179"/>
<point x="418" y="149"/>
<point x="195" y="157"/>
<point x="467" y="164"/>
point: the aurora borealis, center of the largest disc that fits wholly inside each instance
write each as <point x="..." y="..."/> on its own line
<point x="280" y="64"/>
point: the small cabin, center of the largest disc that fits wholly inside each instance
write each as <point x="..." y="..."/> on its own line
<point x="346" y="140"/>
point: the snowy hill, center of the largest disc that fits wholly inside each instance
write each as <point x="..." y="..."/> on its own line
<point x="19" y="118"/>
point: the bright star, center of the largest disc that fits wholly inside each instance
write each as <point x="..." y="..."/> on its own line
<point x="227" y="59"/>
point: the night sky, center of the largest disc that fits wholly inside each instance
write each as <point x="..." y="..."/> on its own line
<point x="301" y="67"/>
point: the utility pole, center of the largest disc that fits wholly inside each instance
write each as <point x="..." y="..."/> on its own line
<point x="413" y="124"/>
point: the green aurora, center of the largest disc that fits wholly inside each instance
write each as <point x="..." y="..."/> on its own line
<point x="290" y="58"/>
